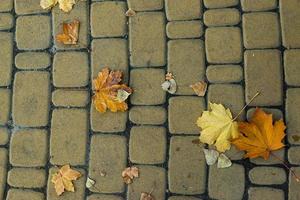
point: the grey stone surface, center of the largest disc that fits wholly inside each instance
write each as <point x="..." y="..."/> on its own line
<point x="258" y="5"/>
<point x="104" y="197"/>
<point x="291" y="67"/>
<point x="23" y="7"/>
<point x="293" y="155"/>
<point x="27" y="178"/>
<point x="153" y="115"/>
<point x="6" y="21"/>
<point x="258" y="193"/>
<point x="220" y="4"/>
<point x="267" y="175"/>
<point x="4" y="135"/>
<point x="6" y="57"/>
<point x="145" y="5"/>
<point x="222" y="17"/>
<point x="32" y="60"/>
<point x="183" y="9"/>
<point x="224" y="73"/>
<point x="292" y="105"/>
<point x="294" y="192"/>
<point x="70" y="98"/>
<point x="5" y="105"/>
<point x="6" y="5"/>
<point x="184" y="29"/>
<point x="3" y="170"/>
<point x="272" y="159"/>
<point x="17" y="194"/>
<point x="276" y="113"/>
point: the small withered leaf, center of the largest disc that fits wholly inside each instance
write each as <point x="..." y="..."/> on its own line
<point x="70" y="33"/>
<point x="146" y="196"/>
<point x="199" y="88"/>
<point x="130" y="13"/>
<point x="129" y="174"/>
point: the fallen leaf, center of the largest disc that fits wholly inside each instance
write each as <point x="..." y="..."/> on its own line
<point x="218" y="127"/>
<point x="223" y="161"/>
<point x="66" y="5"/>
<point x="89" y="183"/>
<point x="169" y="76"/>
<point x="63" y="179"/>
<point x="259" y="136"/>
<point x="122" y="95"/>
<point x="48" y="4"/>
<point x="199" y="88"/>
<point x="70" y="33"/>
<point x="107" y="85"/>
<point x="146" y="196"/>
<point x="130" y="13"/>
<point x="129" y="174"/>
<point x="169" y="86"/>
<point x="212" y="156"/>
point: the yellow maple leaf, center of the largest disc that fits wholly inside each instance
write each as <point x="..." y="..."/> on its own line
<point x="65" y="5"/>
<point x="63" y="179"/>
<point x="107" y="85"/>
<point x="260" y="136"/>
<point x="47" y="4"/>
<point x="218" y="127"/>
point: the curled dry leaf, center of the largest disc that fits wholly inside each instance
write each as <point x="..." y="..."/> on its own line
<point x="129" y="174"/>
<point x="223" y="161"/>
<point x="130" y="13"/>
<point x="169" y="76"/>
<point x="107" y="86"/>
<point x="63" y="179"/>
<point x="199" y="88"/>
<point x="259" y="136"/>
<point x="169" y="86"/>
<point x="70" y="33"/>
<point x="218" y="127"/>
<point x="66" y="5"/>
<point x="212" y="156"/>
<point x="48" y="4"/>
<point x="89" y="183"/>
<point x="122" y="95"/>
<point x="146" y="196"/>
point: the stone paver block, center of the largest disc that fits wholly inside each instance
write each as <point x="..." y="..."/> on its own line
<point x="31" y="94"/>
<point x="222" y="17"/>
<point x="6" y="5"/>
<point x="6" y="57"/>
<point x="230" y="95"/>
<point x="234" y="154"/>
<point x="29" y="148"/>
<point x="224" y="73"/>
<point x="183" y="198"/>
<point x="186" y="61"/>
<point x="5" y="104"/>
<point x="146" y="84"/>
<point x="23" y="7"/>
<point x="108" y="122"/>
<point x="276" y="113"/>
<point x="292" y="117"/>
<point x="143" y="139"/>
<point x="79" y="12"/>
<point x="6" y="21"/>
<point x="108" y="19"/>
<point x="145" y="5"/>
<point x="19" y="194"/>
<point x="108" y="157"/>
<point x="258" y="5"/>
<point x="271" y="161"/>
<point x="263" y="73"/>
<point x="67" y="66"/>
<point x="265" y="193"/>
<point x="70" y="98"/>
<point x="33" y="32"/>
<point x="153" y="115"/>
<point x="220" y="4"/>
<point x="4" y="136"/>
<point x="184" y="29"/>
<point x="26" y="178"/>
<point x="104" y="197"/>
<point x="110" y="53"/>
<point x="79" y="185"/>
<point x="267" y="175"/>
<point x="3" y="170"/>
<point x="232" y="188"/>
<point x="187" y="166"/>
<point x="290" y="18"/>
<point x="147" y="181"/>
<point x="68" y="140"/>
<point x="261" y="30"/>
<point x="294" y="192"/>
<point x="147" y="39"/>
<point x="183" y="9"/>
<point x="293" y="155"/>
<point x="32" y="60"/>
<point x="223" y="45"/>
<point x="183" y="114"/>
<point x="292" y="67"/>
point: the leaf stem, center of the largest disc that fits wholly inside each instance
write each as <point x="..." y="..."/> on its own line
<point x="287" y="167"/>
<point x="245" y="106"/>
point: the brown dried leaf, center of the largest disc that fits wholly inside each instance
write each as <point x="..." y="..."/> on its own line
<point x="130" y="13"/>
<point x="70" y="33"/>
<point x="146" y="196"/>
<point x="66" y="5"/>
<point x="169" y="76"/>
<point x="129" y="174"/>
<point x="199" y="88"/>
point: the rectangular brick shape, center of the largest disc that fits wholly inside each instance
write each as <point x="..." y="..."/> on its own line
<point x="186" y="61"/>
<point x="187" y="167"/>
<point x="31" y="96"/>
<point x="68" y="139"/>
<point x="3" y="171"/>
<point x="6" y="5"/>
<point x="263" y="73"/>
<point x="294" y="192"/>
<point x="145" y="5"/>
<point x="147" y="39"/>
<point x="70" y="98"/>
<point x="290" y="18"/>
<point x="4" y="106"/>
<point x="6" y="21"/>
<point x="23" y="177"/>
<point x="6" y="57"/>
<point x="28" y="7"/>
<point x="258" y="5"/>
<point x="183" y="9"/>
<point x="108" y="156"/>
<point x="79" y="12"/>
<point x="292" y="108"/>
<point x="291" y="67"/>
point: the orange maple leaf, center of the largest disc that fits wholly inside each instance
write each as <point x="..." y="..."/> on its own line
<point x="260" y="136"/>
<point x="107" y="86"/>
<point x="70" y="33"/>
<point x="63" y="179"/>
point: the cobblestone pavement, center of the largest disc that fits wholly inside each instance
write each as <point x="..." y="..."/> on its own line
<point x="47" y="119"/>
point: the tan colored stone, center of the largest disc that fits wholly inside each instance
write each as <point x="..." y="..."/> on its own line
<point x="5" y="103"/>
<point x="265" y="193"/>
<point x="220" y="4"/>
<point x="187" y="167"/>
<point x="183" y="9"/>
<point x="183" y="198"/>
<point x="6" y="21"/>
<point x="29" y="148"/>
<point x="292" y="115"/>
<point x="294" y="192"/>
<point x="26" y="178"/>
<point x="23" y="7"/>
<point x="234" y="154"/>
<point x="258" y="5"/>
<point x="103" y="197"/>
<point x="147" y="39"/>
<point x="108" y="156"/>
<point x="267" y="175"/>
<point x="68" y="138"/>
<point x="3" y="171"/>
<point x="293" y="155"/>
<point x="6" y="5"/>
<point x="276" y="113"/>
<point x="224" y="73"/>
<point x="6" y="57"/>
<point x="4" y="136"/>
<point x="153" y="115"/>
<point x="19" y="194"/>
<point x="32" y="60"/>
<point x="145" y="5"/>
<point x="31" y="99"/>
<point x="70" y="98"/>
<point x="291" y="67"/>
<point x="184" y="29"/>
<point x="222" y="17"/>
